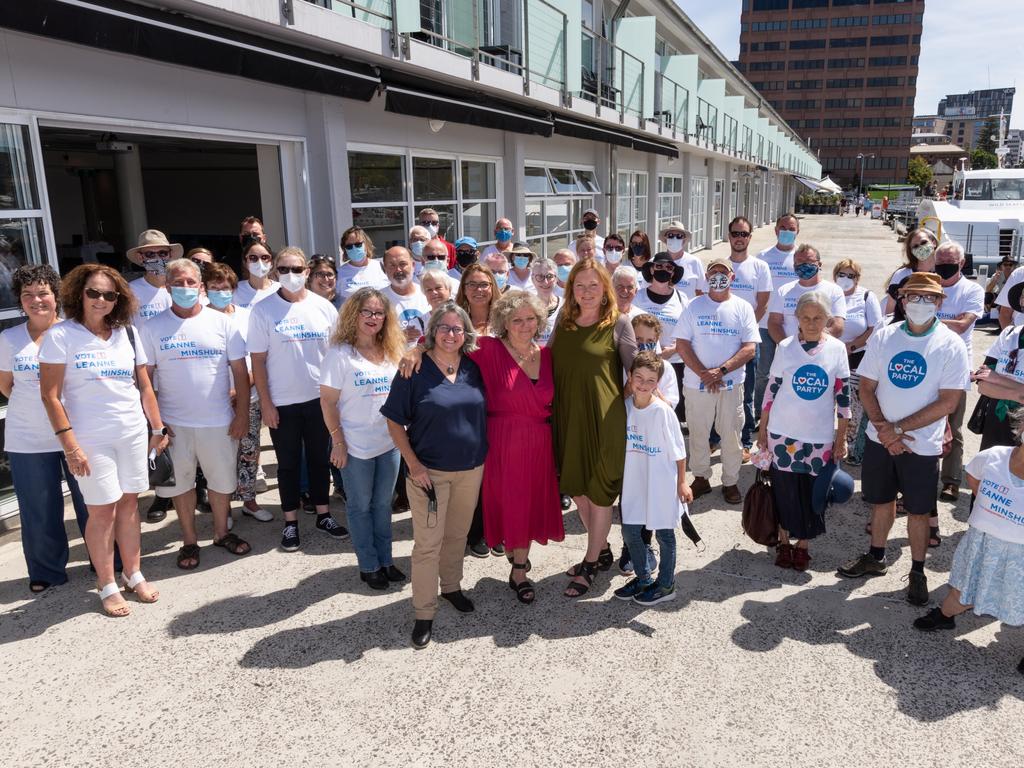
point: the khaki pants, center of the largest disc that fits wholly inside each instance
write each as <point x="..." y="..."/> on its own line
<point x="724" y="410"/>
<point x="953" y="463"/>
<point x="440" y="544"/>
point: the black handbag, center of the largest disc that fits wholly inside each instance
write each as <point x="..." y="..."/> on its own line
<point x="977" y="421"/>
<point x="760" y="520"/>
<point x="161" y="468"/>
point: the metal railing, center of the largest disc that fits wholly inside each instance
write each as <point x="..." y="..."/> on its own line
<point x="615" y="78"/>
<point x="747" y="147"/>
<point x="707" y="123"/>
<point x="730" y="131"/>
<point x="671" y="105"/>
<point x="379" y="13"/>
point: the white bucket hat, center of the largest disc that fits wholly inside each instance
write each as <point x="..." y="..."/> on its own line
<point x="149" y="239"/>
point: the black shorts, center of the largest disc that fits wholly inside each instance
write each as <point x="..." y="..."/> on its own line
<point x="884" y="475"/>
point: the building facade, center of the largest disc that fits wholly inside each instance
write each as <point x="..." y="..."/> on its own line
<point x="188" y="115"/>
<point x="843" y="74"/>
<point x="986" y="103"/>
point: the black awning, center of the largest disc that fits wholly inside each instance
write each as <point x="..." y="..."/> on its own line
<point x="127" y="28"/>
<point x="467" y="107"/>
<point x="582" y="129"/>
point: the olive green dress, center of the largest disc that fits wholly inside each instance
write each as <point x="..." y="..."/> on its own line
<point x="589" y="412"/>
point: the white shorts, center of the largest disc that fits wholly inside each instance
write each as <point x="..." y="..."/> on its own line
<point x="215" y="452"/>
<point x="115" y="469"/>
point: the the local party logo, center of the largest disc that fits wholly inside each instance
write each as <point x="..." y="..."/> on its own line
<point x="907" y="369"/>
<point x="810" y="382"/>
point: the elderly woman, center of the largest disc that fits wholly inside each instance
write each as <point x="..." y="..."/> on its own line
<point x="437" y="419"/>
<point x="808" y="385"/>
<point x="257" y="262"/>
<point x="37" y="464"/>
<point x="288" y="337"/>
<point x="355" y="379"/>
<point x="918" y="256"/>
<point x="477" y="293"/>
<point x="323" y="278"/>
<point x="97" y="395"/>
<point x="863" y="315"/>
<point x="988" y="565"/>
<point x="436" y="286"/>
<point x="544" y="274"/>
<point x="592" y="347"/>
<point x="625" y="284"/>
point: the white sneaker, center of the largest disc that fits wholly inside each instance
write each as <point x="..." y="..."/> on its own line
<point x="261" y="480"/>
<point x="259" y="513"/>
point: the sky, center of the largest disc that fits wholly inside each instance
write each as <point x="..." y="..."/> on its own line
<point x="967" y="45"/>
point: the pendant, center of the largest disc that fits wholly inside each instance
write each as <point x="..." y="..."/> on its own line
<point x="451" y="369"/>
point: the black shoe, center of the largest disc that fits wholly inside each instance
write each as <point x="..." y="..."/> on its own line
<point x="375" y="579"/>
<point x="498" y="551"/>
<point x="290" y="537"/>
<point x="157" y="510"/>
<point x="399" y="504"/>
<point x="332" y="528"/>
<point x="934" y="619"/>
<point x="566" y="503"/>
<point x="917" y="589"/>
<point x="393" y="574"/>
<point x="1020" y="667"/>
<point x="459" y="601"/>
<point x="421" y="631"/>
<point x="625" y="562"/>
<point x="307" y="503"/>
<point x="479" y="549"/>
<point x="202" y="499"/>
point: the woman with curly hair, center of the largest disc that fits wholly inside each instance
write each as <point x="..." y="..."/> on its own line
<point x="94" y="386"/>
<point x="37" y="464"/>
<point x="592" y="347"/>
<point x="355" y="379"/>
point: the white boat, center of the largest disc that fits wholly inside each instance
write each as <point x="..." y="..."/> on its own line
<point x="985" y="214"/>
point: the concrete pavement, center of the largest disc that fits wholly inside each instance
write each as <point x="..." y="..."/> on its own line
<point x="288" y="659"/>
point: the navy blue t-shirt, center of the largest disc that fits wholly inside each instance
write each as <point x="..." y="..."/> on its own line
<point x="446" y="422"/>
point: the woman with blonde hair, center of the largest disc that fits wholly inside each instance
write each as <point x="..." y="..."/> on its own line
<point x="478" y="291"/>
<point x="355" y="379"/>
<point x="592" y="347"/>
<point x="358" y="269"/>
<point x="918" y="256"/>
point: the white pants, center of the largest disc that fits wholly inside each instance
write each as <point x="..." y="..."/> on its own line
<point x="724" y="410"/>
<point x="115" y="469"/>
<point x="215" y="452"/>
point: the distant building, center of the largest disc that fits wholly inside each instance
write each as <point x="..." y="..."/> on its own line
<point x="977" y="103"/>
<point x="942" y="156"/>
<point x="1015" y="142"/>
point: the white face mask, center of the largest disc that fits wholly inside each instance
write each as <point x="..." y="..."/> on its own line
<point x="674" y="244"/>
<point x="846" y="283"/>
<point x="920" y="314"/>
<point x="258" y="268"/>
<point x="293" y="283"/>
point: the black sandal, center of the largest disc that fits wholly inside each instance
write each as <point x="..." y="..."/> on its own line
<point x="524" y="589"/>
<point x="933" y="535"/>
<point x="605" y="558"/>
<point x="188" y="552"/>
<point x="38" y="586"/>
<point x="233" y="544"/>
<point x="587" y="571"/>
<point x="529" y="565"/>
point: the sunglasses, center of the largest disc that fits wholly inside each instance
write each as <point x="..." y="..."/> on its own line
<point x="93" y="294"/>
<point x="350" y="246"/>
<point x="430" y="223"/>
<point x="465" y="254"/>
<point x="252" y="258"/>
<point x="155" y="254"/>
<point x="612" y="250"/>
<point x="744" y="235"/>
<point x="200" y="263"/>
<point x="319" y="258"/>
<point x="846" y="274"/>
<point x="291" y="270"/>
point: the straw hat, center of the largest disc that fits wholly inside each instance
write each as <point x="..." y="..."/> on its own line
<point x="149" y="239"/>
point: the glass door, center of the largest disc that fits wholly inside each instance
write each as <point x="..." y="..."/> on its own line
<point x="698" y="212"/>
<point x="718" y="223"/>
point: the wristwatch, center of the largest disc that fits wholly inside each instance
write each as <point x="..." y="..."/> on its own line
<point x="723" y="370"/>
<point x="896" y="428"/>
<point x="156" y="432"/>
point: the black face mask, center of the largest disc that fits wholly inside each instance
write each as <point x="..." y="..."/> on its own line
<point x="465" y="258"/>
<point x="637" y="249"/>
<point x="589" y="224"/>
<point x="946" y="271"/>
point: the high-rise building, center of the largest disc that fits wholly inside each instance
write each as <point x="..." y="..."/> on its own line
<point x="977" y="103"/>
<point x="1015" y="143"/>
<point x="843" y="73"/>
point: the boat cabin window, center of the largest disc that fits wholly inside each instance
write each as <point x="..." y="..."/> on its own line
<point x="994" y="189"/>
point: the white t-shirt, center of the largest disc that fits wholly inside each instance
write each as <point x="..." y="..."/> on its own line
<point x="999" y="504"/>
<point x="1003" y="299"/>
<point x="192" y="357"/>
<point x="27" y="428"/>
<point x="247" y="297"/>
<point x="152" y="300"/>
<point x="412" y="310"/>
<point x="862" y="311"/>
<point x="1005" y="343"/>
<point x="522" y="285"/>
<point x="240" y="317"/>
<point x="693" y="275"/>
<point x="351" y="278"/>
<point x="780" y="264"/>
<point x="364" y="387"/>
<point x="654" y="443"/>
<point x="294" y="335"/>
<point x="668" y="313"/>
<point x="667" y="384"/>
<point x="492" y="249"/>
<point x="549" y="326"/>
<point x="910" y="371"/>
<point x="751" y="277"/>
<point x="716" y="330"/>
<point x="784" y="301"/>
<point x="99" y="392"/>
<point x="598" y="248"/>
<point x="805" y="406"/>
<point x="963" y="296"/>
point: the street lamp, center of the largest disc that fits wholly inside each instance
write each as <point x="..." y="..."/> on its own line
<point x="860" y="156"/>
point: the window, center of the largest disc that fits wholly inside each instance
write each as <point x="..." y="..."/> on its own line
<point x="842" y="103"/>
<point x="882" y="122"/>
<point x="810" y="123"/>
<point x="631" y="206"/>
<point x="842" y="122"/>
<point x="767" y="26"/>
<point x="772" y="45"/>
<point x="770" y="85"/>
<point x="801" y="104"/>
<point x="884" y="82"/>
<point x="887" y="61"/>
<point x="892" y="18"/>
<point x="766" y="66"/>
<point x="889" y="40"/>
<point x="797" y="4"/>
<point x="887" y="101"/>
<point x="845" y="82"/>
<point x="803" y="85"/>
<point x="808" y="64"/>
<point x="838" y="3"/>
<point x="850" y="21"/>
<point x="698" y="211"/>
<point x="770" y="5"/>
<point x="556" y="197"/>
<point x="670" y="200"/>
<point x="845" y="63"/>
<point x="808" y="23"/>
<point x="801" y="45"/>
<point x="21" y="211"/>
<point x="389" y="188"/>
<point x="849" y="42"/>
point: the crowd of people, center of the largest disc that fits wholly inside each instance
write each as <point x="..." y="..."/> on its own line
<point x="487" y="391"/>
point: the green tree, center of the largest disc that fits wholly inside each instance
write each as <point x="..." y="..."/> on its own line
<point x="980" y="160"/>
<point x="919" y="173"/>
<point x="988" y="137"/>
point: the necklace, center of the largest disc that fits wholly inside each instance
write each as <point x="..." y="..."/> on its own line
<point x="521" y="358"/>
<point x="449" y="367"/>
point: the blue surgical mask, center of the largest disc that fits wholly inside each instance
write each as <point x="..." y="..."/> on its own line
<point x="647" y="346"/>
<point x="355" y="252"/>
<point x="185" y="298"/>
<point x="503" y="235"/>
<point x="436" y="264"/>
<point x="787" y="237"/>
<point x="220" y="299"/>
<point x="501" y="279"/>
<point x="563" y="272"/>
<point x="806" y="271"/>
<point x="521" y="262"/>
<point x="417" y="248"/>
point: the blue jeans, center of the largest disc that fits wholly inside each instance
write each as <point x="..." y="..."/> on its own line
<point x="304" y="474"/>
<point x="750" y="372"/>
<point x="44" y="541"/>
<point x="369" y="485"/>
<point x="631" y="534"/>
<point x="765" y="356"/>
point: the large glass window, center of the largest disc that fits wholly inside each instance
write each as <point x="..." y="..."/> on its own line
<point x="631" y="206"/>
<point x="390" y="187"/>
<point x="670" y="202"/>
<point x="21" y="215"/>
<point x="698" y="211"/>
<point x="557" y="196"/>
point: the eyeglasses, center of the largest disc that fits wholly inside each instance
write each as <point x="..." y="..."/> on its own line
<point x="433" y="223"/>
<point x="662" y="269"/>
<point x="847" y="274"/>
<point x="372" y="314"/>
<point x="164" y="254"/>
<point x="319" y="258"/>
<point x="291" y="270"/>
<point x="743" y="235"/>
<point x="921" y="298"/>
<point x="548" y="278"/>
<point x="465" y="254"/>
<point x="350" y="246"/>
<point x="252" y="258"/>
<point x="454" y="330"/>
<point x="324" y="275"/>
<point x="93" y="294"/>
<point x="478" y="286"/>
<point x="675" y="237"/>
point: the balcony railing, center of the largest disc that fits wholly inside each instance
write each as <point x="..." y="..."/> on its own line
<point x="376" y="12"/>
<point x="612" y="77"/>
<point x="707" y="123"/>
<point x="671" y="105"/>
<point x="730" y="131"/>
<point x="747" y="147"/>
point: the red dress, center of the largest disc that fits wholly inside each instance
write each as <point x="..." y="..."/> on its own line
<point x="520" y="489"/>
